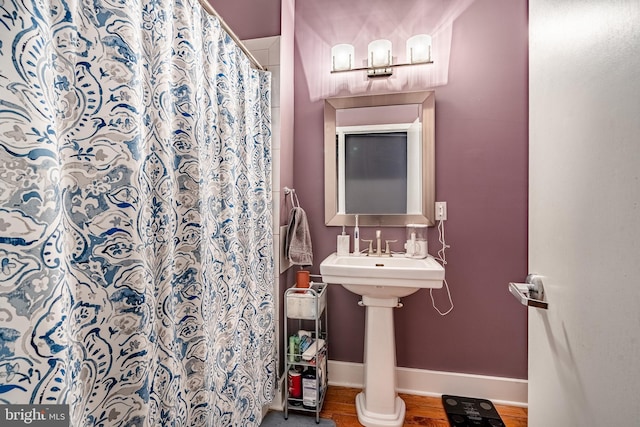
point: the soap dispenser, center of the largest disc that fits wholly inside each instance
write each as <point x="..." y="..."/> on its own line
<point x="343" y="243"/>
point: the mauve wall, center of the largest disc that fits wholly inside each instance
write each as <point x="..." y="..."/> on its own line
<point x="481" y="172"/>
<point x="250" y="19"/>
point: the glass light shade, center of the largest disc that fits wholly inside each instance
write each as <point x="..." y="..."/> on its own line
<point x="379" y="53"/>
<point x="419" y="49"/>
<point x="342" y="56"/>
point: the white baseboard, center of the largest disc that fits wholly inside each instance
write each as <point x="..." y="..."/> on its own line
<point x="501" y="391"/>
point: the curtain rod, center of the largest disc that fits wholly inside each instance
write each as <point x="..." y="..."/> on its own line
<point x="209" y="8"/>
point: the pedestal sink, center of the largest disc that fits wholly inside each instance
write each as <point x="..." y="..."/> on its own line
<point x="381" y="281"/>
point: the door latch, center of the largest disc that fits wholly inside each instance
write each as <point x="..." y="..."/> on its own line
<point x="530" y="293"/>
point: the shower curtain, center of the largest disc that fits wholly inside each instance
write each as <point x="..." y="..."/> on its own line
<point x="136" y="247"/>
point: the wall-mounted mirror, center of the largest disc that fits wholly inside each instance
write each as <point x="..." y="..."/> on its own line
<point x="379" y="159"/>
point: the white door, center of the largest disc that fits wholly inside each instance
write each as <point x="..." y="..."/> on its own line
<point x="584" y="212"/>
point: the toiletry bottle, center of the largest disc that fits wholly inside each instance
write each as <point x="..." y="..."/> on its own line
<point x="343" y="243"/>
<point x="296" y="345"/>
<point x="309" y="390"/>
<point x="356" y="238"/>
<point x="294" y="377"/>
<point x="292" y="349"/>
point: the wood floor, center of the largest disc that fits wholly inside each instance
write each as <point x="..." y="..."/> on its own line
<point x="339" y="405"/>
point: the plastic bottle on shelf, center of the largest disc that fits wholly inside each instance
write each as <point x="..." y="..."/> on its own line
<point x="309" y="390"/>
<point x="292" y="349"/>
<point x="296" y="346"/>
<point x="295" y="386"/>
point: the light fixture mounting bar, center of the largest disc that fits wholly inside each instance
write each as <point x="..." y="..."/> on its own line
<point x="380" y="68"/>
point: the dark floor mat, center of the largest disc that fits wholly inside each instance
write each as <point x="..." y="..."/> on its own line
<point x="471" y="412"/>
<point x="277" y="419"/>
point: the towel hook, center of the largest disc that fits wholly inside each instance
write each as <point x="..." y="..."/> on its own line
<point x="294" y="197"/>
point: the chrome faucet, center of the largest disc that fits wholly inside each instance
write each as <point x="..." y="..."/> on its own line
<point x="378" y="244"/>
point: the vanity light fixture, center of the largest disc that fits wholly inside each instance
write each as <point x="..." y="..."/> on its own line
<point x="419" y="49"/>
<point x="342" y="56"/>
<point x="380" y="56"/>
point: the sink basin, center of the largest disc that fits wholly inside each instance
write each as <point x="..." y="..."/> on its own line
<point x="382" y="276"/>
<point x="381" y="281"/>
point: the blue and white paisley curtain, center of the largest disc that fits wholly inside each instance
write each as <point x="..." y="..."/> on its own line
<point x="135" y="215"/>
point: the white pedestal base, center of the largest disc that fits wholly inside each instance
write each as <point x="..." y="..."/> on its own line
<point x="373" y="419"/>
<point x="379" y="405"/>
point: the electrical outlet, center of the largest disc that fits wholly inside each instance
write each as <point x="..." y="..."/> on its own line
<point x="441" y="211"/>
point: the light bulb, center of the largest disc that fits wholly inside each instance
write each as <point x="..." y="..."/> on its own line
<point x="419" y="49"/>
<point x="379" y="53"/>
<point x="342" y="57"/>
